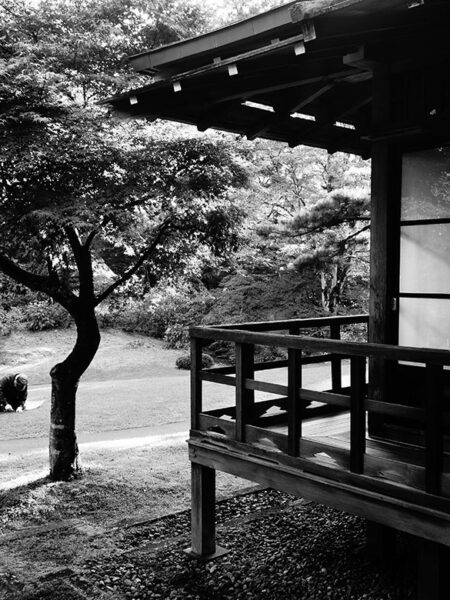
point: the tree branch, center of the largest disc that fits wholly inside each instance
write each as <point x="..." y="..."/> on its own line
<point x="132" y="270"/>
<point x="83" y="260"/>
<point x="354" y="234"/>
<point x="38" y="283"/>
<point x="321" y="228"/>
<point x="90" y="238"/>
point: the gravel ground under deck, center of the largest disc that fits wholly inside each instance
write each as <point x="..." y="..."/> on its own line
<point x="280" y="547"/>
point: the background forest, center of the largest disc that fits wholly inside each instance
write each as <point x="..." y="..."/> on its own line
<point x="179" y="227"/>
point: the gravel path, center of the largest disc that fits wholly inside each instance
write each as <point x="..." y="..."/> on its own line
<point x="280" y="548"/>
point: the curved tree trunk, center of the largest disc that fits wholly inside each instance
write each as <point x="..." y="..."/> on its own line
<point x="65" y="376"/>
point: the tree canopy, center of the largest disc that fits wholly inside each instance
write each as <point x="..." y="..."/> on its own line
<point x="78" y="187"/>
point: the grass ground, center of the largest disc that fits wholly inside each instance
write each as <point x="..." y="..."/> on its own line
<point x="118" y="531"/>
<point x="132" y="383"/>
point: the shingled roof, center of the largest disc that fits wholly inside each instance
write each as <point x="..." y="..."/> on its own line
<point x="299" y="73"/>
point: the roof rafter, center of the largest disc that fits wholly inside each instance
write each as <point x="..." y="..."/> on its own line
<point x="283" y="112"/>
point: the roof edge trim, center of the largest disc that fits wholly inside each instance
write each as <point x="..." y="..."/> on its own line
<point x="253" y="27"/>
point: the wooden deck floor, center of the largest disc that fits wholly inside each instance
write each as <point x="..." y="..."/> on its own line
<point x="327" y="441"/>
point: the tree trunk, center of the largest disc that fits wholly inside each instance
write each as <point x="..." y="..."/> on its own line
<point x="63" y="441"/>
<point x="65" y="378"/>
<point x="324" y="290"/>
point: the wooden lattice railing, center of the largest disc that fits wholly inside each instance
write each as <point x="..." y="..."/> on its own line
<point x="245" y="422"/>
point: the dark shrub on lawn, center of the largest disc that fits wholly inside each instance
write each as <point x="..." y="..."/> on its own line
<point x="184" y="362"/>
<point x="42" y="315"/>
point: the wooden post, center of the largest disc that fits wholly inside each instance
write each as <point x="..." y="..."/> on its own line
<point x="336" y="361"/>
<point x="384" y="240"/>
<point x="433" y="430"/>
<point x="429" y="571"/>
<point x="381" y="542"/>
<point x="295" y="404"/>
<point x="196" y="382"/>
<point x="357" y="414"/>
<point x="203" y="514"/>
<point x="245" y="399"/>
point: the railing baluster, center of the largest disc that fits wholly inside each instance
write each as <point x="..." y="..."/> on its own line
<point x="295" y="405"/>
<point x="196" y="381"/>
<point x="433" y="430"/>
<point x="244" y="398"/>
<point x="357" y="414"/>
<point x="336" y="361"/>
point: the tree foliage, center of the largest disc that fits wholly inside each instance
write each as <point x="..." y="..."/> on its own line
<point x="310" y="213"/>
<point x="77" y="185"/>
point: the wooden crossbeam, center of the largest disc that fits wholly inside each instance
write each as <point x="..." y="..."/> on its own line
<point x="340" y="113"/>
<point x="359" y="60"/>
<point x="212" y="114"/>
<point x="284" y="112"/>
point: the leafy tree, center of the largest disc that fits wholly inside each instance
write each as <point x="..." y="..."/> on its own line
<point x="333" y="230"/>
<point x="309" y="213"/>
<point x="227" y="11"/>
<point x="335" y="244"/>
<point x="76" y="184"/>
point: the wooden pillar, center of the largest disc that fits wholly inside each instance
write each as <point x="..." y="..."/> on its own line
<point x="431" y="571"/>
<point x="381" y="542"/>
<point x="203" y="514"/>
<point x="384" y="259"/>
<point x="434" y="430"/>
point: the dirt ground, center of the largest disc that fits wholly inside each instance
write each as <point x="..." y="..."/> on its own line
<point x="119" y="531"/>
<point x="126" y="477"/>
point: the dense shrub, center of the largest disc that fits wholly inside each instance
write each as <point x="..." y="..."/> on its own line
<point x="166" y="313"/>
<point x="38" y="316"/>
<point x="184" y="361"/>
<point x="177" y="336"/>
<point x="9" y="321"/>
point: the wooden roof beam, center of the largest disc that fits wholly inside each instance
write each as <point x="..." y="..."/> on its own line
<point x="282" y="113"/>
<point x="359" y="60"/>
<point x="211" y="115"/>
<point x="339" y="114"/>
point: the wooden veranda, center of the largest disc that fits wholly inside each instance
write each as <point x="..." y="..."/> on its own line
<point x="370" y="77"/>
<point x="297" y="442"/>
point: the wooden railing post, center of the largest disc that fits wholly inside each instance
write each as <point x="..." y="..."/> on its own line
<point x="196" y="382"/>
<point x="245" y="399"/>
<point x="336" y="361"/>
<point x="433" y="430"/>
<point x="357" y="414"/>
<point x="295" y="404"/>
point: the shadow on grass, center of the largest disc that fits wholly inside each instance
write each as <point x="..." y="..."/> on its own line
<point x="18" y="491"/>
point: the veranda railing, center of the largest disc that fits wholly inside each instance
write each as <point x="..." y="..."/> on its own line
<point x="246" y="425"/>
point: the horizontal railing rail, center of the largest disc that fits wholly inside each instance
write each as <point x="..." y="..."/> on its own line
<point x="300" y="323"/>
<point x="385" y="351"/>
<point x="245" y="421"/>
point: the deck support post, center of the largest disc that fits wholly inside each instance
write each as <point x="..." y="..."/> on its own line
<point x="203" y="514"/>
<point x="431" y="571"/>
<point x="381" y="542"/>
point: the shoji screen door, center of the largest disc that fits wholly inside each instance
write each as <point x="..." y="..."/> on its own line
<point x="424" y="298"/>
